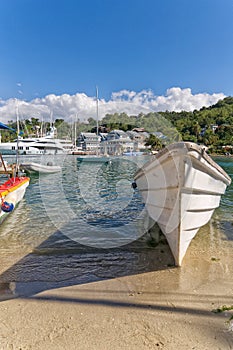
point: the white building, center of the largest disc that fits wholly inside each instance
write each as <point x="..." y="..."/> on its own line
<point x="139" y="138"/>
<point x="116" y="142"/>
<point x="89" y="141"/>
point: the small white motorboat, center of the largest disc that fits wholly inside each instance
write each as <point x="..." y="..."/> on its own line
<point x="39" y="168"/>
<point x="181" y="187"/>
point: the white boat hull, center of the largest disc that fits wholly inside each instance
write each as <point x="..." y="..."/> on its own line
<point x="12" y="196"/>
<point x="181" y="188"/>
<point x="39" y="168"/>
<point x="47" y="145"/>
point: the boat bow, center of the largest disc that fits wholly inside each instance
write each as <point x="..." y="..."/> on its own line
<point x="181" y="187"/>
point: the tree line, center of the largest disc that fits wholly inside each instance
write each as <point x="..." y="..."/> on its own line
<point x="212" y="126"/>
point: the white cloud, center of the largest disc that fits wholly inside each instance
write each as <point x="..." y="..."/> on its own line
<point x="131" y="102"/>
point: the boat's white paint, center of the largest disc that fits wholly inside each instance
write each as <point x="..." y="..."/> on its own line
<point x="13" y="197"/>
<point x="181" y="187"/>
<point x="47" y="144"/>
<point x="39" y="168"/>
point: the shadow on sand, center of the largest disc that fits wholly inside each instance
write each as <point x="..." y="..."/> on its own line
<point x="53" y="265"/>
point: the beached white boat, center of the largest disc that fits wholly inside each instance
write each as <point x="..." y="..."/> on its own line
<point x="39" y="168"/>
<point x="181" y="187"/>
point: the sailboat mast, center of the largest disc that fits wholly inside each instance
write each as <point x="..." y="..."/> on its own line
<point x="97" y="112"/>
<point x="17" y="122"/>
<point x="75" y="129"/>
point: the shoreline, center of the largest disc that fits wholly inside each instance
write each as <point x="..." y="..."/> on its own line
<point x="164" y="308"/>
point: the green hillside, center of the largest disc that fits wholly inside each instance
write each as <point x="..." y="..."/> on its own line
<point x="212" y="126"/>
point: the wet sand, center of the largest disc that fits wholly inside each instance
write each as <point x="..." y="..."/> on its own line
<point x="164" y="308"/>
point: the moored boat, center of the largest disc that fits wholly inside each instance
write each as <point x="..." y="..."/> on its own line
<point x="181" y="187"/>
<point x="11" y="193"/>
<point x="33" y="167"/>
<point x="47" y="144"/>
<point x="93" y="159"/>
<point x="13" y="189"/>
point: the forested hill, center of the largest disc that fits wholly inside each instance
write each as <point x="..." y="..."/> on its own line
<point x="212" y="126"/>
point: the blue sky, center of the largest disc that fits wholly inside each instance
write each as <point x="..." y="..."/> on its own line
<point x="70" y="46"/>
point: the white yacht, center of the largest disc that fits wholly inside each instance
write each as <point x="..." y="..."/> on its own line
<point x="37" y="145"/>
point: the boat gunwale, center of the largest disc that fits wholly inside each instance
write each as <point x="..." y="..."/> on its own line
<point x="190" y="146"/>
<point x="14" y="185"/>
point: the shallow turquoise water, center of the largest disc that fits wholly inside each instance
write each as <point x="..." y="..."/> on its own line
<point x="85" y="224"/>
<point x="91" y="203"/>
<point x="226" y="207"/>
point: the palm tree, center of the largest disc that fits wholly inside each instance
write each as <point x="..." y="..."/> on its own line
<point x="154" y="142"/>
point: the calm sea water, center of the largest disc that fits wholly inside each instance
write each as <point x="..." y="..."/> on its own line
<point x="90" y="203"/>
<point x="226" y="208"/>
<point x="84" y="224"/>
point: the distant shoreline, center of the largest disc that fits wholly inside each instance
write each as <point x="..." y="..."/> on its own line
<point x="221" y="155"/>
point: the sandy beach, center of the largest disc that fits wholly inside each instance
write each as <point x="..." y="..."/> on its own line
<point x="165" y="308"/>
